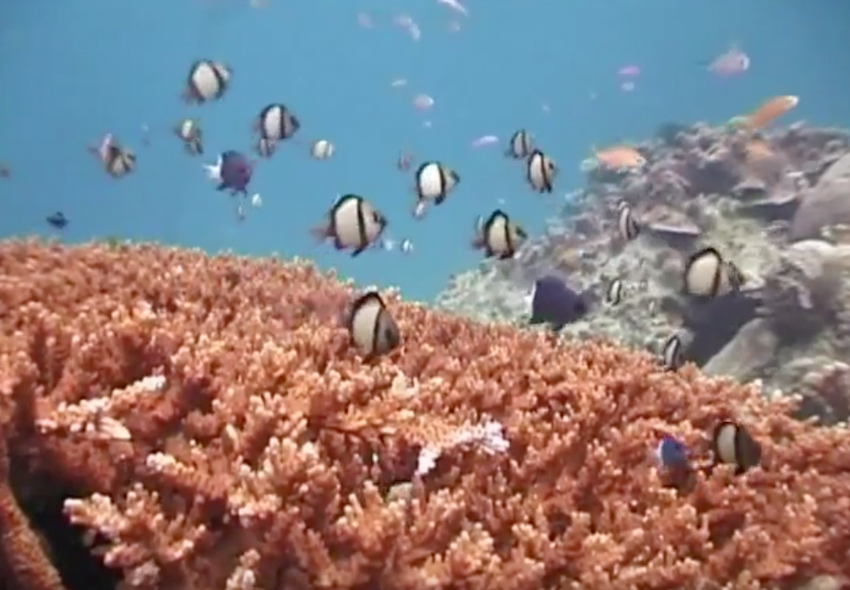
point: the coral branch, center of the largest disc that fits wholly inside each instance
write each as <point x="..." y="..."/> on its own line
<point x="210" y="427"/>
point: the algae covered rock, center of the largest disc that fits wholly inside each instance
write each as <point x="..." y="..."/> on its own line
<point x="799" y="293"/>
<point x="828" y="203"/>
<point x="748" y="355"/>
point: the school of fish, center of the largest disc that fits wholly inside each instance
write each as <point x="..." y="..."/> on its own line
<point x="354" y="224"/>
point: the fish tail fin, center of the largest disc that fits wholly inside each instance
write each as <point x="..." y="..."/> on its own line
<point x="319" y="233"/>
<point x="534" y="321"/>
<point x="213" y="171"/>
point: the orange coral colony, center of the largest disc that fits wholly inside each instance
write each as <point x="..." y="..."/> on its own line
<point x="209" y="426"/>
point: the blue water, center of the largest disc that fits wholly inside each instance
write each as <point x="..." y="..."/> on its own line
<point x="72" y="70"/>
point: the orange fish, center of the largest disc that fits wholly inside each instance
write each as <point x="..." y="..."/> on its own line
<point x="770" y="111"/>
<point x="620" y="157"/>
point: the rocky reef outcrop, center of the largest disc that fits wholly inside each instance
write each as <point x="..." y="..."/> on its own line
<point x="777" y="204"/>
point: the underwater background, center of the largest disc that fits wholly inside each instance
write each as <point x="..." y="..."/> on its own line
<point x="72" y="71"/>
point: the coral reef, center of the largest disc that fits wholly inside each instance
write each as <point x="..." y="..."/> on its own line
<point x="775" y="203"/>
<point x="206" y="424"/>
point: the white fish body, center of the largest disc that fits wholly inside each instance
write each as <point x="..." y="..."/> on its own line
<point x="322" y="149"/>
<point x="120" y="163"/>
<point x="672" y="353"/>
<point x="187" y="129"/>
<point x="355" y="224"/>
<point x="521" y="145"/>
<point x="614" y="293"/>
<point x="498" y="235"/>
<point x="626" y="224"/>
<point x="190" y="133"/>
<point x="208" y="80"/>
<point x="708" y="275"/>
<point x="434" y="182"/>
<point x="276" y="123"/>
<point x="540" y="172"/>
<point x="373" y="331"/>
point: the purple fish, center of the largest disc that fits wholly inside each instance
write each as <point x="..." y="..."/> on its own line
<point x="554" y="303"/>
<point x="232" y="171"/>
<point x="731" y="63"/>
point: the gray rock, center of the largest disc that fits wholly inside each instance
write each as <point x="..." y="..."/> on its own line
<point x="748" y="354"/>
<point x="828" y="203"/>
<point x="801" y="289"/>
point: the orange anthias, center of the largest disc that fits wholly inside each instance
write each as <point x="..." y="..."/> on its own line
<point x="770" y="111"/>
<point x="620" y="157"/>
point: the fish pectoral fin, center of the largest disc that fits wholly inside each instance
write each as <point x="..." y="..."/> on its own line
<point x="358" y="251"/>
<point x="535" y="320"/>
<point x="557" y="326"/>
<point x="440" y="199"/>
<point x="221" y="187"/>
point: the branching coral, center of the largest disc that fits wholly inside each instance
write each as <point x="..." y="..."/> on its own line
<point x="212" y="428"/>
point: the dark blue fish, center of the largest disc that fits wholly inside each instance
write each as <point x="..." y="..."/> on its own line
<point x="674" y="463"/>
<point x="57" y="220"/>
<point x="232" y="171"/>
<point x="671" y="453"/>
<point x="556" y="304"/>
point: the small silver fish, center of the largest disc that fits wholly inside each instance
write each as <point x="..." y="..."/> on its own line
<point x="117" y="161"/>
<point x="672" y="354"/>
<point x="626" y="224"/>
<point x="614" y="292"/>
<point x="520" y="145"/>
<point x="190" y="133"/>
